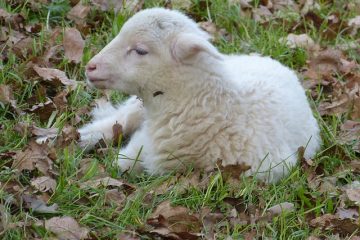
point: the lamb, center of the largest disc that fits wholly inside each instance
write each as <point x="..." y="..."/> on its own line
<point x="192" y="105"/>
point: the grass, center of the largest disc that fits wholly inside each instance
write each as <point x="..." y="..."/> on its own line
<point x="89" y="206"/>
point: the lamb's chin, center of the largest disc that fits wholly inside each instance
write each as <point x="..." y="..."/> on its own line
<point x="99" y="84"/>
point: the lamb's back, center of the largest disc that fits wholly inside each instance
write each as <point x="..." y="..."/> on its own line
<point x="274" y="104"/>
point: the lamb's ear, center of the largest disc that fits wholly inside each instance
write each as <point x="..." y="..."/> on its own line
<point x="186" y="46"/>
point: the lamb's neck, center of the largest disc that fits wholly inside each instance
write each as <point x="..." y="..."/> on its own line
<point x="210" y="88"/>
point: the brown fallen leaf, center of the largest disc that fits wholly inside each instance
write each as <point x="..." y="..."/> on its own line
<point x="327" y="61"/>
<point x="117" y="134"/>
<point x="213" y="30"/>
<point x="313" y="238"/>
<point x="34" y="156"/>
<point x="89" y="165"/>
<point x="344" y="98"/>
<point x="79" y="13"/>
<point x="43" y="110"/>
<point x="262" y="14"/>
<point x="334" y="223"/>
<point x="285" y="4"/>
<point x="44" y="184"/>
<point x="15" y="21"/>
<point x="60" y="100"/>
<point x="353" y="195"/>
<point x="280" y="208"/>
<point x="232" y="170"/>
<point x="114" y="196"/>
<point x="181" y="4"/>
<point x="38" y="205"/>
<point x="34" y="28"/>
<point x="54" y="75"/>
<point x="301" y="40"/>
<point x="128" y="5"/>
<point x="68" y="135"/>
<point x="128" y="236"/>
<point x="175" y="219"/>
<point x="44" y="134"/>
<point x="107" y="182"/>
<point x="244" y="4"/>
<point x="354" y="24"/>
<point x="66" y="228"/>
<point x="23" y="48"/>
<point x="7" y="96"/>
<point x="210" y="220"/>
<point x="52" y="55"/>
<point x="309" y="5"/>
<point x="351" y="213"/>
<point x="73" y="45"/>
<point x="350" y="134"/>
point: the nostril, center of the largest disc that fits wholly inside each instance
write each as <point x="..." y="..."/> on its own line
<point x="91" y="67"/>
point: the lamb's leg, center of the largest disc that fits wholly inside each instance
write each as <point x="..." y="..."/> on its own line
<point x="128" y="114"/>
<point x="132" y="156"/>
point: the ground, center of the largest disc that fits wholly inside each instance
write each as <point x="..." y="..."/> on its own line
<point x="57" y="191"/>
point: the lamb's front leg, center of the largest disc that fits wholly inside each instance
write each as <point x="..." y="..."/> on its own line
<point x="136" y="153"/>
<point x="128" y="114"/>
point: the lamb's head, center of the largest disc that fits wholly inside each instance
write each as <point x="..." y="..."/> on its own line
<point x="149" y="46"/>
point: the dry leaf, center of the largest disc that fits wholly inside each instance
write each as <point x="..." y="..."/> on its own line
<point x="244" y="4"/>
<point x="106" y="182"/>
<point x="353" y="195"/>
<point x="262" y="14"/>
<point x="33" y="156"/>
<point x="78" y="13"/>
<point x="181" y="4"/>
<point x="44" y="134"/>
<point x="280" y="208"/>
<point x="68" y="135"/>
<point x="350" y="134"/>
<point x="302" y="40"/>
<point x="354" y="24"/>
<point x="23" y="48"/>
<point x="43" y="110"/>
<point x="52" y="74"/>
<point x="327" y="61"/>
<point x="232" y="170"/>
<point x="86" y="164"/>
<point x="73" y="45"/>
<point x="44" y="184"/>
<point x="60" y="100"/>
<point x="66" y="228"/>
<point x="334" y="223"/>
<point x="38" y="205"/>
<point x="128" y="5"/>
<point x="7" y="96"/>
<point x="351" y="213"/>
<point x="309" y="5"/>
<point x="175" y="219"/>
<point x="285" y="4"/>
<point x="128" y="236"/>
<point x="114" y="196"/>
<point x="213" y="30"/>
<point x="117" y="133"/>
<point x="16" y="21"/>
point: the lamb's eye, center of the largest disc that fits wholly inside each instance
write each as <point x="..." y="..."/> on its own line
<point x="140" y="51"/>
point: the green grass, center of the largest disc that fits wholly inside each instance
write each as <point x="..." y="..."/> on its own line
<point x="89" y="206"/>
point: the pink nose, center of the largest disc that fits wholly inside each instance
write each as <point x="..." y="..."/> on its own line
<point x="91" y="67"/>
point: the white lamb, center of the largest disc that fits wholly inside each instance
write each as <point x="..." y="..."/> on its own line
<point x="198" y="105"/>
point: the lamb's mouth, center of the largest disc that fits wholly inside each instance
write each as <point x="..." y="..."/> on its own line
<point x="98" y="82"/>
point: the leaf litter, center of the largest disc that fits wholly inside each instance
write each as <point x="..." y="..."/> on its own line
<point x="330" y="69"/>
